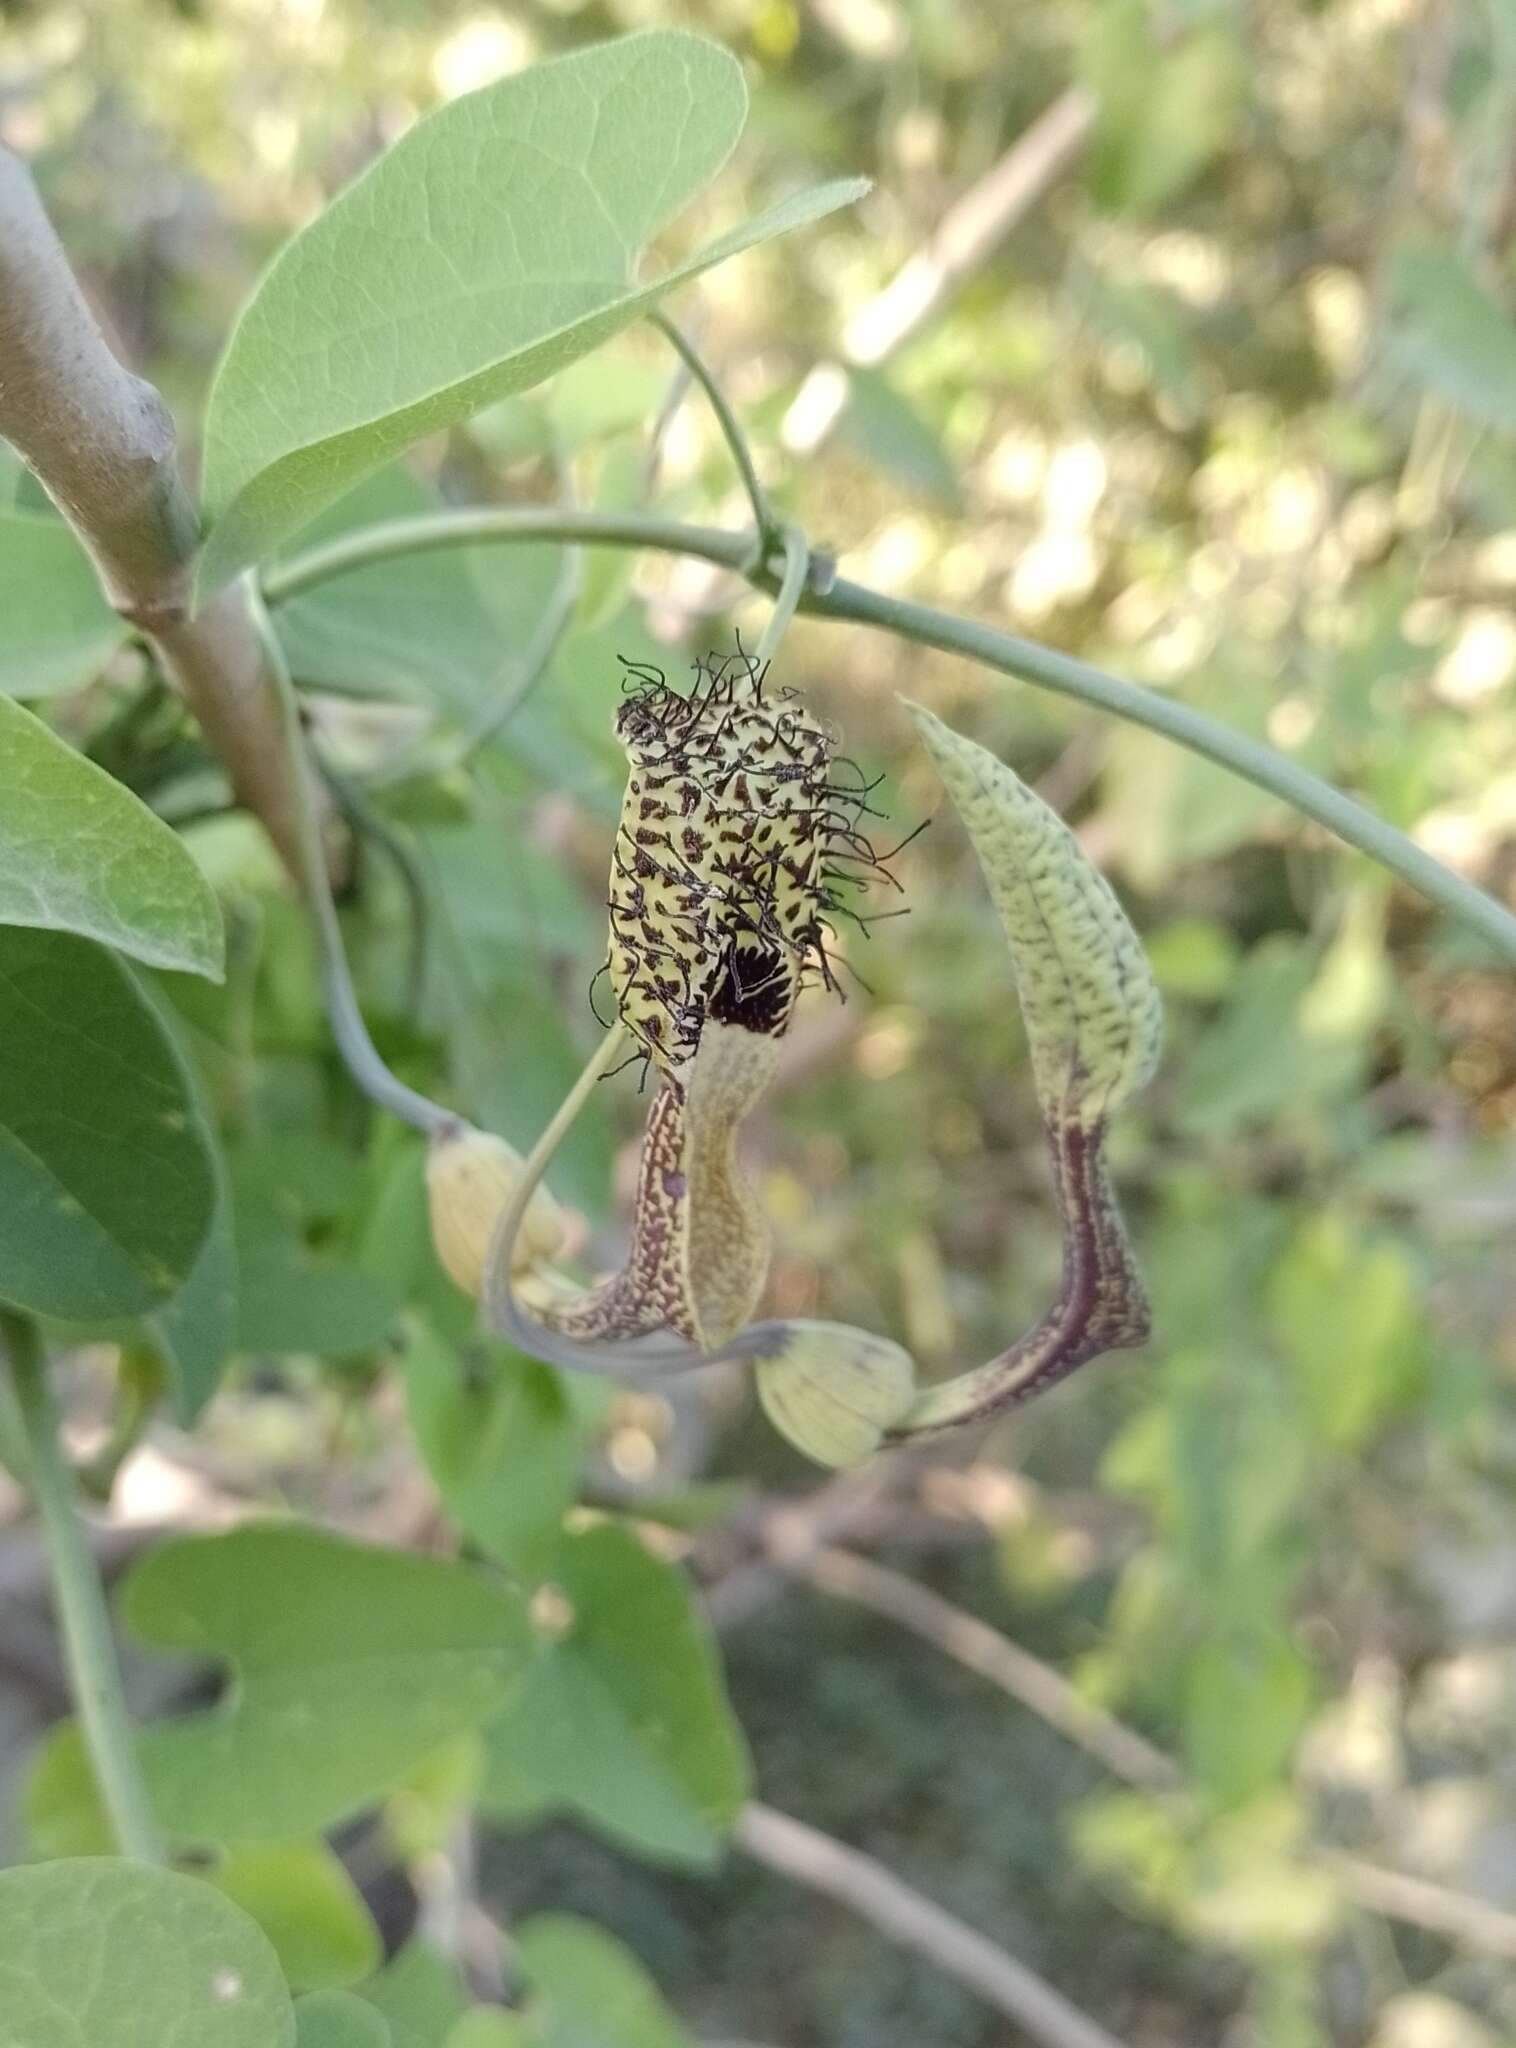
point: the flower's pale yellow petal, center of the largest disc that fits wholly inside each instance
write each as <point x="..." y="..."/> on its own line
<point x="700" y="1247"/>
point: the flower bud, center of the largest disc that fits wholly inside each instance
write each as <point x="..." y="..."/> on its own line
<point x="832" y="1390"/>
<point x="470" y="1177"/>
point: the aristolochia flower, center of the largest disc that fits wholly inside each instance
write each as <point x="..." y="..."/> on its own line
<point x="718" y="895"/>
<point x="736" y="836"/>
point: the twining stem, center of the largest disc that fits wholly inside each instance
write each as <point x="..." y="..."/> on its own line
<point x="489" y="523"/>
<point x="663" y="419"/>
<point x="797" y="567"/>
<point x="94" y="1674"/>
<point x="731" y="426"/>
<point x="359" y="1054"/>
<point x="1349" y="820"/>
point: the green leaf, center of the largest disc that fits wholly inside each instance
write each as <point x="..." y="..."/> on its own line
<point x="1164" y="112"/>
<point x="1255" y="1060"/>
<point x="607" y="574"/>
<point x="310" y="1909"/>
<point x="420" y="627"/>
<point x="1093" y="1017"/>
<point x="421" y="1813"/>
<point x="1194" y="957"/>
<point x="1446" y="330"/>
<point x="61" y="1803"/>
<point x="196" y="1331"/>
<point x="1347" y="1317"/>
<point x="1126" y="313"/>
<point x="107" y="1182"/>
<point x="588" y="1987"/>
<point x="1245" y="1705"/>
<point x="419" y="1996"/>
<point x="78" y="853"/>
<point x="883" y="427"/>
<point x="617" y="393"/>
<point x="513" y="1076"/>
<point x="59" y="630"/>
<point x="622" y="1717"/>
<point x="492" y="246"/>
<point x="352" y="1663"/>
<point x="499" y="1438"/>
<point x="294" y="1191"/>
<point x="487" y="2027"/>
<point x="335" y="2019"/>
<point x="1166" y="810"/>
<point x="101" y="1951"/>
<point x="294" y="1300"/>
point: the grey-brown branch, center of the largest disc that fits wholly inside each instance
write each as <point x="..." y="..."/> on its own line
<point x="101" y="443"/>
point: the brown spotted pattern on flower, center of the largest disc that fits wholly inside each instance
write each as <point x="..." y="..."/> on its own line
<point x="734" y="840"/>
<point x="700" y="1246"/>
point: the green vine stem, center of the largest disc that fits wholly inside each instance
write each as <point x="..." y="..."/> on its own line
<point x="1342" y="815"/>
<point x="94" y="1674"/>
<point x="731" y="427"/>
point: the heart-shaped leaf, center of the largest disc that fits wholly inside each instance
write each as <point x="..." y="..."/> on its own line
<point x="352" y="1664"/>
<point x="335" y="2019"/>
<point x="99" y="1950"/>
<point x="585" y="1985"/>
<point x="500" y="1439"/>
<point x="59" y="630"/>
<point x="107" y="1183"/>
<point x="419" y="1996"/>
<point x="622" y="1717"/>
<point x="310" y="1909"/>
<point x="78" y="853"/>
<point x="494" y="244"/>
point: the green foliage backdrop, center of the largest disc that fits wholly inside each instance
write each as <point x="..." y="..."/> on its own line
<point x="1227" y="408"/>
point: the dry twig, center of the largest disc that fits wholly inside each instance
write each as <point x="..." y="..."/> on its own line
<point x="900" y="1913"/>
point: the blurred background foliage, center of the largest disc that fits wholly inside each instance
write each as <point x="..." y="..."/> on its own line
<point x="1229" y="409"/>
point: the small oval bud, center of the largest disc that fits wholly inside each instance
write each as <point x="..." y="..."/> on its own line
<point x="470" y="1177"/>
<point x="832" y="1390"/>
